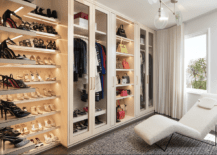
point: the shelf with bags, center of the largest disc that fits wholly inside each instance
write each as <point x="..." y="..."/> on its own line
<point x="124" y="70"/>
<point x="32" y="49"/>
<point x="15" y="31"/>
<point x="25" y="7"/>
<point x="41" y="18"/>
<point x="124" y="85"/>
<point x="40" y="132"/>
<point x="12" y="120"/>
<point x="42" y="148"/>
<point x="79" y="30"/>
<point x="120" y="97"/>
<point x="47" y="114"/>
<point x="84" y="117"/>
<point x="124" y="54"/>
<point x="31" y="66"/>
<point x="126" y="118"/>
<point x="17" y="61"/>
<point x="36" y="100"/>
<point x="10" y="149"/>
<point x="123" y="39"/>
<point x="42" y="82"/>
<point x="10" y="91"/>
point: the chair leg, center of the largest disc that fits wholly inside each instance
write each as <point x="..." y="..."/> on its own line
<point x="166" y="145"/>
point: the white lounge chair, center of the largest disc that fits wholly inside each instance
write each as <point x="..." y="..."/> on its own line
<point x="196" y="123"/>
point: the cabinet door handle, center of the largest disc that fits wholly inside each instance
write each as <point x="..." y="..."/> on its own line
<point x="94" y="84"/>
<point x="137" y="80"/>
<point x="90" y="84"/>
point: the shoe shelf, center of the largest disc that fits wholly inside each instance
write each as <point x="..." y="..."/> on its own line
<point x="12" y="120"/>
<point x="124" y="70"/>
<point x="40" y="132"/>
<point x="40" y="83"/>
<point x="120" y="97"/>
<point x="84" y="117"/>
<point x="10" y="91"/>
<point x="7" y="30"/>
<point x="36" y="99"/>
<point x="32" y="49"/>
<point x="10" y="149"/>
<point x="124" y="54"/>
<point x="124" y="85"/>
<point x="123" y="39"/>
<point x="43" y="19"/>
<point x="126" y="118"/>
<point x="42" y="148"/>
<point x="83" y="31"/>
<point x="46" y="35"/>
<point x="142" y="44"/>
<point x="31" y="66"/>
<point x="142" y="50"/>
<point x="99" y="125"/>
<point x="17" y="61"/>
<point x="47" y="114"/>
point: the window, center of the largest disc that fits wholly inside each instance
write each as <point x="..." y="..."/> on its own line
<point x="196" y="62"/>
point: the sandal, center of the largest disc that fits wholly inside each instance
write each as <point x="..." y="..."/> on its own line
<point x="46" y="93"/>
<point x="38" y="77"/>
<point x="32" y="57"/>
<point x="33" y="110"/>
<point x="25" y="129"/>
<point x="41" y="44"/>
<point x="40" y="127"/>
<point x="47" y="139"/>
<point x="39" y="61"/>
<point x="46" y="62"/>
<point x="46" y="124"/>
<point x="52" y="107"/>
<point x="47" y="108"/>
<point x="51" y="61"/>
<point x="26" y="78"/>
<point x="54" y="138"/>
<point x="37" y="93"/>
<point x="52" y="92"/>
<point x="52" y="123"/>
<point x="39" y="143"/>
<point x="33" y="129"/>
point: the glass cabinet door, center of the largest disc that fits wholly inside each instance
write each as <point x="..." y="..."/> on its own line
<point x="82" y="85"/>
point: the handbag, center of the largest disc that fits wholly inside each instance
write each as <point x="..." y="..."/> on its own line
<point x="121" y="31"/>
<point x="123" y="93"/>
<point x="122" y="48"/>
<point x="119" y="64"/>
<point x="118" y="80"/>
<point x="124" y="81"/>
<point x="120" y="112"/>
<point x="81" y="15"/>
<point x="128" y="91"/>
<point x="125" y="64"/>
<point x="126" y="77"/>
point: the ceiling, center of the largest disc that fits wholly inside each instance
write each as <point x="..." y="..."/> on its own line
<point x="143" y="12"/>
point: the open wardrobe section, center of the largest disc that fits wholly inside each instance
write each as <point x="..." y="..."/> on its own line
<point x="70" y="70"/>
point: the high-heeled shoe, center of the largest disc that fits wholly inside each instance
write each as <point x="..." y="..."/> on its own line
<point x="33" y="110"/>
<point x="36" y="146"/>
<point x="33" y="95"/>
<point x="47" y="108"/>
<point x="38" y="77"/>
<point x="54" y="138"/>
<point x="38" y="108"/>
<point x="51" y="61"/>
<point x="13" y="109"/>
<point x="46" y="62"/>
<point x="40" y="127"/>
<point x="18" y="142"/>
<point x="52" y="107"/>
<point x="33" y="129"/>
<point x="32" y="57"/>
<point x="39" y="143"/>
<point x="32" y="76"/>
<point x="52" y="92"/>
<point x="18" y="128"/>
<point x="47" y="139"/>
<point x="26" y="97"/>
<point x="25" y="129"/>
<point x="39" y="61"/>
<point x="10" y="132"/>
<point x="52" y="123"/>
<point x="41" y="43"/>
<point x="37" y="93"/>
<point x="47" y="124"/>
<point x="46" y="93"/>
<point x="20" y="97"/>
<point x="26" y="78"/>
<point x="7" y="19"/>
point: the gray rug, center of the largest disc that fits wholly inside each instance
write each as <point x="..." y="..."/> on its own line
<point x="125" y="141"/>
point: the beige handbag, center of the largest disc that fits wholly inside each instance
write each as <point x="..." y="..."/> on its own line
<point x="122" y="48"/>
<point x="119" y="64"/>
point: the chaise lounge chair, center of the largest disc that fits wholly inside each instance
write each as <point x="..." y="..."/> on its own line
<point x="196" y="123"/>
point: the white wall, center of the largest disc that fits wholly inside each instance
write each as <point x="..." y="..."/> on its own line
<point x="197" y="25"/>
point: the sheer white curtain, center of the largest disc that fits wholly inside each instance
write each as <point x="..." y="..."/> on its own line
<point x="169" y="72"/>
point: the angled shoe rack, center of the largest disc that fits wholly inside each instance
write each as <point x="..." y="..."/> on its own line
<point x="15" y="67"/>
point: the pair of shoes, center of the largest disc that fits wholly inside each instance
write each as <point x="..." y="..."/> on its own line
<point x="48" y="61"/>
<point x="49" y="78"/>
<point x="49" y="107"/>
<point x="49" y="93"/>
<point x="36" y="110"/>
<point x="35" y="77"/>
<point x="38" y="143"/>
<point x="26" y="43"/>
<point x="97" y="121"/>
<point x="11" y="82"/>
<point x="80" y="125"/>
<point x="51" y="30"/>
<point x="39" y="43"/>
<point x="8" y="131"/>
<point x="38" y="27"/>
<point x="78" y="112"/>
<point x="98" y="109"/>
<point x="50" y="138"/>
<point x="49" y="123"/>
<point x="49" y="13"/>
<point x="18" y="142"/>
<point x="36" y="127"/>
<point x="13" y="109"/>
<point x="51" y="45"/>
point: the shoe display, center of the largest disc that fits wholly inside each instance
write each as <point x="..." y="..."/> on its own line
<point x="33" y="95"/>
<point x="52" y="107"/>
<point x="25" y="129"/>
<point x="52" y="123"/>
<point x="47" y="124"/>
<point x="40" y="127"/>
<point x="37" y="93"/>
<point x="39" y="143"/>
<point x="47" y="108"/>
<point x="39" y="111"/>
<point x="52" y="137"/>
<point x="47" y="139"/>
<point x="46" y="93"/>
<point x="26" y="97"/>
<point x="34" y="111"/>
<point x="20" y="97"/>
<point x="33" y="127"/>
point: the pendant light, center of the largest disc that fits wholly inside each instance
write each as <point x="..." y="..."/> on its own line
<point x="178" y="18"/>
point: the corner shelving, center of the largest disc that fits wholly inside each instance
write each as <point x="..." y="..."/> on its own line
<point x="17" y="61"/>
<point x="10" y="91"/>
<point x="4" y="29"/>
<point x="32" y="49"/>
<point x="36" y="100"/>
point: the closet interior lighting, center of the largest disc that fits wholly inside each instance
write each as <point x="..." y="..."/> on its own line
<point x="123" y="20"/>
<point x="20" y="8"/>
<point x="41" y="20"/>
<point x="17" y="37"/>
